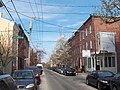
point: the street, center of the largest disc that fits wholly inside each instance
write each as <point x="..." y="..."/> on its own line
<point x="53" y="81"/>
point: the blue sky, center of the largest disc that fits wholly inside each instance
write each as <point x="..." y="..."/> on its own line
<point x="53" y="18"/>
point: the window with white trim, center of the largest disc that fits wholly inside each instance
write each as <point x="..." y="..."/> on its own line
<point x="86" y="46"/>
<point x="109" y="61"/>
<point x="82" y="35"/>
<point x="90" y="28"/>
<point x="90" y="44"/>
<point x="80" y="49"/>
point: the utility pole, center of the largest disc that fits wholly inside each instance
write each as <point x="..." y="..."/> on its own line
<point x="29" y="41"/>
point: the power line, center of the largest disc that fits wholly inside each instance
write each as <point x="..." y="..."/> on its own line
<point x="7" y="10"/>
<point x="18" y="15"/>
<point x="52" y="31"/>
<point x="46" y="41"/>
<point x="48" y="22"/>
<point x="57" y="4"/>
<point x="32" y="8"/>
<point x="59" y="13"/>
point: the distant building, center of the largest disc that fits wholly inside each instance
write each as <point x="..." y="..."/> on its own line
<point x="103" y="42"/>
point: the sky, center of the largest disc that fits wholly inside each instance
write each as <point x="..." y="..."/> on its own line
<point x="50" y="18"/>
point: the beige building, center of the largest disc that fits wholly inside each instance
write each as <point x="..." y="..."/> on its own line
<point x="8" y="44"/>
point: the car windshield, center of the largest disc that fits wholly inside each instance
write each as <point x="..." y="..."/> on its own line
<point x="35" y="70"/>
<point x="105" y="74"/>
<point x="22" y="75"/>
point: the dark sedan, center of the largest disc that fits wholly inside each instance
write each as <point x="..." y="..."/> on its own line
<point x="115" y="83"/>
<point x="101" y="79"/>
<point x="25" y="80"/>
<point x="69" y="71"/>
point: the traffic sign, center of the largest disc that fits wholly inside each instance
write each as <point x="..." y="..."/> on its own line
<point x="19" y="37"/>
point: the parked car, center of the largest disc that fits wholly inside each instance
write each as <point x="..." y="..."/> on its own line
<point x="61" y="70"/>
<point x="69" y="71"/>
<point x="37" y="73"/>
<point x="115" y="83"/>
<point x="101" y="79"/>
<point x="25" y="80"/>
<point x="7" y="82"/>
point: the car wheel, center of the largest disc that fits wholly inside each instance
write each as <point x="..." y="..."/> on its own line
<point x="98" y="86"/>
<point x="87" y="82"/>
<point x="114" y="88"/>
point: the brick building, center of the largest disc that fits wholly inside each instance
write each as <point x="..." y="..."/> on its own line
<point x="101" y="40"/>
<point x="23" y="49"/>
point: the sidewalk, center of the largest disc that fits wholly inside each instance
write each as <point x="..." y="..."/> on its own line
<point x="82" y="74"/>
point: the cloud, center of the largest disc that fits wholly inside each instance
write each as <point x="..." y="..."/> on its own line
<point x="63" y="20"/>
<point x="76" y="24"/>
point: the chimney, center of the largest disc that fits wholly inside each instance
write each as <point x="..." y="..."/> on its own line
<point x="1" y="15"/>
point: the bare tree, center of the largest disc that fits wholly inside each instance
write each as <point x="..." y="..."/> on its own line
<point x="109" y="11"/>
<point x="8" y="49"/>
<point x="61" y="55"/>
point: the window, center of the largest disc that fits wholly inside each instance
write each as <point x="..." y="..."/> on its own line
<point x="89" y="63"/>
<point x="109" y="62"/>
<point x="86" y="46"/>
<point x="90" y="28"/>
<point x="90" y="44"/>
<point x="106" y="62"/>
<point x="80" y="49"/>
<point x="113" y="61"/>
<point x="83" y="47"/>
<point x="82" y="35"/>
<point x="86" y="31"/>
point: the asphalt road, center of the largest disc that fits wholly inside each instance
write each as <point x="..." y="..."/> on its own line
<point x="54" y="81"/>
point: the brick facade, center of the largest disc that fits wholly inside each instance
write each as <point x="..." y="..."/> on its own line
<point x="85" y="38"/>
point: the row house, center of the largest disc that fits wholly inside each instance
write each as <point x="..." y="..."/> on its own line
<point x="16" y="48"/>
<point x="23" y="49"/>
<point x="96" y="45"/>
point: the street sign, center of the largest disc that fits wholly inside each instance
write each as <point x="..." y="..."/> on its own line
<point x="19" y="37"/>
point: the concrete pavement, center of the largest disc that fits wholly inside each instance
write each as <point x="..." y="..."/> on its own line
<point x="82" y="74"/>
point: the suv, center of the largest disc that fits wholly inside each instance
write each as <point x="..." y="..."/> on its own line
<point x="7" y="82"/>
